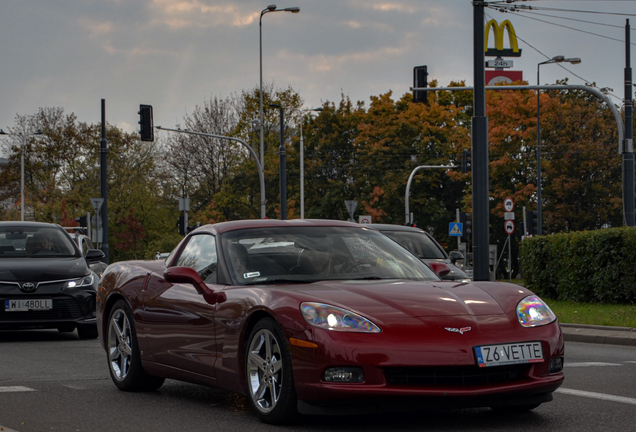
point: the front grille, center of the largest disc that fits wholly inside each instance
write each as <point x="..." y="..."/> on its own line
<point x="64" y="309"/>
<point x="455" y="376"/>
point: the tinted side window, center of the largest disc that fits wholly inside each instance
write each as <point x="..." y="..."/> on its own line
<point x="200" y="254"/>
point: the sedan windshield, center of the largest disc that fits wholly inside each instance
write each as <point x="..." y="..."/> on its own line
<point x="309" y="254"/>
<point x="35" y="242"/>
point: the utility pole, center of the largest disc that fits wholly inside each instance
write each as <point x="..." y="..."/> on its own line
<point x="481" y="233"/>
<point x="628" y="142"/>
<point x="103" y="151"/>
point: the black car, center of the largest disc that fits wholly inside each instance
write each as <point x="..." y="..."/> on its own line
<point x="424" y="246"/>
<point x="45" y="282"/>
<point x="85" y="244"/>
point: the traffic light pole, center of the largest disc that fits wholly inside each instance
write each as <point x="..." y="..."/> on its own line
<point x="481" y="209"/>
<point x="259" y="166"/>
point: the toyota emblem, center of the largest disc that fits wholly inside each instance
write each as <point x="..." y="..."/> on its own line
<point x="28" y="287"/>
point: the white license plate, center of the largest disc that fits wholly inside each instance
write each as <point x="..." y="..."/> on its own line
<point x="511" y="353"/>
<point x="27" y="305"/>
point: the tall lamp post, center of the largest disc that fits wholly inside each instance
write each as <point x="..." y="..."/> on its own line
<point x="270" y="8"/>
<point x="302" y="160"/>
<point x="556" y="59"/>
<point x="283" y="163"/>
<point x="24" y="138"/>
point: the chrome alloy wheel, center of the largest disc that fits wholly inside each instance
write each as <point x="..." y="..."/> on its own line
<point x="119" y="345"/>
<point x="265" y="370"/>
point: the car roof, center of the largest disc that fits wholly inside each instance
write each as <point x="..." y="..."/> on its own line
<point x="29" y="224"/>
<point x="222" y="227"/>
<point x="391" y="227"/>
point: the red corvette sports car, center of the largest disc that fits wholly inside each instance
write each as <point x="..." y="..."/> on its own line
<point x="312" y="317"/>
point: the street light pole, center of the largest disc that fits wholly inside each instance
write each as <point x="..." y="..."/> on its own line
<point x="270" y="8"/>
<point x="302" y="160"/>
<point x="23" y="138"/>
<point x="556" y="59"/>
<point x="283" y="163"/>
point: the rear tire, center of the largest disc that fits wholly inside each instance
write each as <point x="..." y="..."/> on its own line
<point x="268" y="374"/>
<point x="124" y="360"/>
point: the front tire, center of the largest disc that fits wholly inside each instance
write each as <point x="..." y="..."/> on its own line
<point x="268" y="374"/>
<point x="124" y="360"/>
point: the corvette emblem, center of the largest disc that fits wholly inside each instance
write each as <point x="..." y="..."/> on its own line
<point x="458" y="330"/>
<point x="28" y="287"/>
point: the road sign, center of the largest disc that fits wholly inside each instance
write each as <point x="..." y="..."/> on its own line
<point x="97" y="204"/>
<point x="351" y="207"/>
<point x="509" y="226"/>
<point x="364" y="219"/>
<point x="509" y="205"/>
<point x="455" y="229"/>
<point x="509" y="216"/>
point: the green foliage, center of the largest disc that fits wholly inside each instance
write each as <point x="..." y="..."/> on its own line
<point x="588" y="266"/>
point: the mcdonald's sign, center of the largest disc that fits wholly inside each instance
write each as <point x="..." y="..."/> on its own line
<point x="498" y="30"/>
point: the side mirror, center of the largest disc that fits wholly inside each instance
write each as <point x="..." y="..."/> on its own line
<point x="94" y="255"/>
<point x="440" y="268"/>
<point x="455" y="256"/>
<point x="188" y="275"/>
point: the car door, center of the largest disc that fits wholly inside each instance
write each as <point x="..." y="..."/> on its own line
<point x="178" y="323"/>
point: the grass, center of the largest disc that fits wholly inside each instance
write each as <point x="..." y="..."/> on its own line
<point x="596" y="314"/>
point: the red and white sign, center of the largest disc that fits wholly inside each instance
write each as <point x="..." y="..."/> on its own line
<point x="502" y="76"/>
<point x="509" y="226"/>
<point x="364" y="219"/>
<point x="509" y="204"/>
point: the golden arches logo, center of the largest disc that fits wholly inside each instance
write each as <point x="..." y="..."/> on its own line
<point x="498" y="30"/>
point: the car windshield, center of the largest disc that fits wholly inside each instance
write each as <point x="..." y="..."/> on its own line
<point x="418" y="243"/>
<point x="35" y="242"/>
<point x="309" y="254"/>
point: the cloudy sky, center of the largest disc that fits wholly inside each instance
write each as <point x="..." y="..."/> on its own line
<point x="175" y="54"/>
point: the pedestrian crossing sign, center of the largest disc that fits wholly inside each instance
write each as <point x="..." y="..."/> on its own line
<point x="455" y="229"/>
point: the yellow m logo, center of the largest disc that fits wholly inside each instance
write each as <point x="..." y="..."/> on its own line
<point x="498" y="30"/>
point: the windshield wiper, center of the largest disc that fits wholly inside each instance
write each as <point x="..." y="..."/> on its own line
<point x="279" y="280"/>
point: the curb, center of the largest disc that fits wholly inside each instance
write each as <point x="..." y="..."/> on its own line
<point x="599" y="334"/>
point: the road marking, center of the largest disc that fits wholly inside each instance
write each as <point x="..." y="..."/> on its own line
<point x="629" y="361"/>
<point x="587" y="364"/>
<point x="594" y="395"/>
<point x="15" y="389"/>
<point x="5" y="429"/>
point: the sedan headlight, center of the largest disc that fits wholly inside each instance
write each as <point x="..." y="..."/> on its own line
<point x="533" y="312"/>
<point x="86" y="281"/>
<point x="334" y="318"/>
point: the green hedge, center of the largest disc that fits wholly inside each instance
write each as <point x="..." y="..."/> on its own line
<point x="589" y="266"/>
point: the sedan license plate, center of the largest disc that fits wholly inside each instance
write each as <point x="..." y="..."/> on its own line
<point x="27" y="305"/>
<point x="511" y="353"/>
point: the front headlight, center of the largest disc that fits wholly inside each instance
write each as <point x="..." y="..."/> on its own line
<point x="334" y="318"/>
<point x="86" y="281"/>
<point x="533" y="312"/>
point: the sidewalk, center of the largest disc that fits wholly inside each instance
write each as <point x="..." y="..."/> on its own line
<point x="599" y="334"/>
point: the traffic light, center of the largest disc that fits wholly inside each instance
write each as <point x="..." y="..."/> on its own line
<point x="466" y="161"/>
<point x="82" y="220"/>
<point x="420" y="79"/>
<point x="181" y="225"/>
<point x="467" y="226"/>
<point x="531" y="220"/>
<point x="146" y="130"/>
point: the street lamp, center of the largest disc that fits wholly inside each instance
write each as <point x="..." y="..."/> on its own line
<point x="556" y="59"/>
<point x="24" y="138"/>
<point x="302" y="160"/>
<point x="283" y="163"/>
<point x="270" y="8"/>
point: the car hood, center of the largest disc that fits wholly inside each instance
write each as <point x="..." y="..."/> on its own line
<point x="400" y="298"/>
<point x="42" y="269"/>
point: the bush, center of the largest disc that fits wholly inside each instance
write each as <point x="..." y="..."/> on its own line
<point x="590" y="266"/>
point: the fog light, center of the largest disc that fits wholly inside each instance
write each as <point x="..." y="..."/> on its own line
<point x="556" y="365"/>
<point x="344" y="374"/>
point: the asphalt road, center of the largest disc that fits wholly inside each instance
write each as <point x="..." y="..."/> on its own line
<point x="51" y="381"/>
